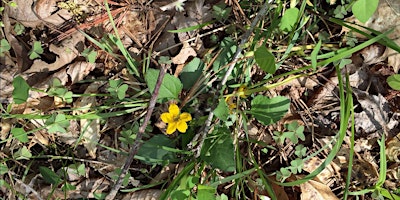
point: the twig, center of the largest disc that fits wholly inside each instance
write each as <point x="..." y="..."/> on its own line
<point x="139" y="135"/>
<point x="245" y="38"/>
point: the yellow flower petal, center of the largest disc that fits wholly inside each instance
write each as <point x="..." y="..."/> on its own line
<point x="174" y="110"/>
<point x="182" y="126"/>
<point x="185" y="117"/>
<point x="167" y="117"/>
<point x="171" y="127"/>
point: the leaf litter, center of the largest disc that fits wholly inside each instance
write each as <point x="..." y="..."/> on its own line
<point x="375" y="111"/>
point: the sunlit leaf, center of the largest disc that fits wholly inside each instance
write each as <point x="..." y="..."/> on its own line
<point x="265" y="60"/>
<point x="289" y="19"/>
<point x="21" y="90"/>
<point x="170" y="88"/>
<point x="364" y="9"/>
<point x="269" y="110"/>
<point x="20" y="134"/>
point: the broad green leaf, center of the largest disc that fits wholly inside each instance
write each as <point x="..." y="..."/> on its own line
<point x="205" y="192"/>
<point x="3" y="168"/>
<point x="170" y="88"/>
<point x="20" y="134"/>
<point x="314" y="55"/>
<point x="191" y="72"/>
<point x="265" y="59"/>
<point x="153" y="152"/>
<point x="219" y="151"/>
<point x="394" y="81"/>
<point x="269" y="110"/>
<point x="222" y="110"/>
<point x="22" y="153"/>
<point x="21" y="90"/>
<point x="364" y="9"/>
<point x="289" y="19"/>
<point x="49" y="176"/>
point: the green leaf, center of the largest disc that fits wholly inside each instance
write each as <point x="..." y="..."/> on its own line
<point x="221" y="12"/>
<point x="205" y="192"/>
<point x="49" y="176"/>
<point x="36" y="50"/>
<point x="57" y="123"/>
<point x="3" y="168"/>
<point x="364" y="9"/>
<point x="191" y="72"/>
<point x="268" y="111"/>
<point x="180" y="194"/>
<point x="300" y="151"/>
<point x="67" y="97"/>
<point x="296" y="165"/>
<point x="99" y="195"/>
<point x="289" y="19"/>
<point x="228" y="47"/>
<point x="394" y="81"/>
<point x="22" y="153"/>
<point x="21" y="90"/>
<point x="122" y="91"/>
<point x="152" y="151"/>
<point x="20" y="134"/>
<point x="265" y="59"/>
<point x="314" y="55"/>
<point x="219" y="151"/>
<point x="115" y="83"/>
<point x="222" y="110"/>
<point x="170" y="88"/>
<point x="4" y="46"/>
<point x="90" y="55"/>
<point x="19" y="28"/>
<point x="68" y="187"/>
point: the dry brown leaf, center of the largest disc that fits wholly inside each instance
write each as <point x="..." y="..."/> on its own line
<point x="66" y="53"/>
<point x="316" y="191"/>
<point x="326" y="175"/>
<point x="45" y="9"/>
<point x="89" y="128"/>
<point x="393" y="149"/>
<point x="77" y="71"/>
<point x="384" y="19"/>
<point x="184" y="54"/>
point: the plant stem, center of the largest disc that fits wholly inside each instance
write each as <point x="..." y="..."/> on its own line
<point x="139" y="135"/>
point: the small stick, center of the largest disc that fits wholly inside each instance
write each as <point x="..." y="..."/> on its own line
<point x="139" y="135"/>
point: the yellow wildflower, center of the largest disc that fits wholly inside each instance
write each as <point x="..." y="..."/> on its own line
<point x="175" y="119"/>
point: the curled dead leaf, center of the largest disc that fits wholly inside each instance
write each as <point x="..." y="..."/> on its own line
<point x="393" y="149"/>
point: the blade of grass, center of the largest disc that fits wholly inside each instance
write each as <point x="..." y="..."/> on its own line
<point x="345" y="107"/>
<point x="132" y="66"/>
<point x="351" y="154"/>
